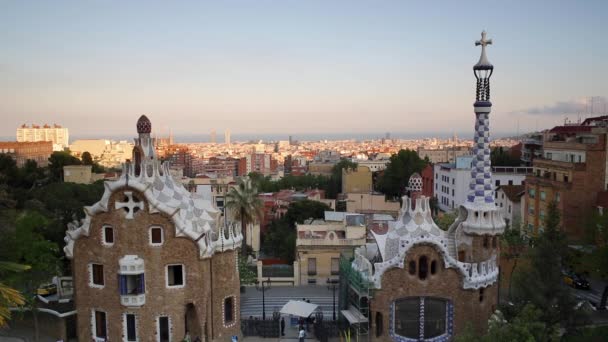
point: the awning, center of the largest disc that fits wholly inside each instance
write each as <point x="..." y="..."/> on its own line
<point x="298" y="308"/>
<point x="354" y="316"/>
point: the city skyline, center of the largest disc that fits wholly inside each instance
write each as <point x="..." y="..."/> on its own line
<point x="295" y="68"/>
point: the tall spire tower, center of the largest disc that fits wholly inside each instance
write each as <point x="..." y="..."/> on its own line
<point x="480" y="200"/>
<point x="481" y="194"/>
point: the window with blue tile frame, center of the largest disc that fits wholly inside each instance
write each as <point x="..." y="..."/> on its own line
<point x="130" y="284"/>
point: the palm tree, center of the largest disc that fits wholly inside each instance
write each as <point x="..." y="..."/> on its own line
<point x="243" y="201"/>
<point x="9" y="297"/>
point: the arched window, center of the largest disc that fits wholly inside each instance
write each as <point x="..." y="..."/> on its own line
<point x="422" y="267"/>
<point x="485" y="241"/>
<point x="412" y="267"/>
<point x="379" y="324"/>
<point x="481" y="295"/>
<point x="421" y="318"/>
<point x="433" y="266"/>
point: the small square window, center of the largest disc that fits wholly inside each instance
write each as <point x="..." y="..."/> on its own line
<point x="108" y="235"/>
<point x="175" y="276"/>
<point x="156" y="236"/>
<point x="96" y="275"/>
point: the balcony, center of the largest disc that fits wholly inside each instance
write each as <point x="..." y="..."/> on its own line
<point x="558" y="165"/>
<point x="133" y="300"/>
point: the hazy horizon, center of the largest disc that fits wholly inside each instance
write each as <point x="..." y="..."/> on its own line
<point x="314" y="67"/>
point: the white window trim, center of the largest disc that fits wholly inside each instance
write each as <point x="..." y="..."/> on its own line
<point x="158" y="327"/>
<point x="91" y="284"/>
<point x="94" y="326"/>
<point x="124" y="326"/>
<point x="162" y="236"/>
<point x="167" y="277"/>
<point x="103" y="235"/>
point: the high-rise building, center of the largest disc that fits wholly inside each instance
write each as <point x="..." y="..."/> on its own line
<point x="429" y="284"/>
<point x="227" y="137"/>
<point x="213" y="137"/>
<point x="151" y="261"/>
<point x="58" y="135"/>
<point x="262" y="163"/>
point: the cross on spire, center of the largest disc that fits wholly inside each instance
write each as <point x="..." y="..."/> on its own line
<point x="483" y="42"/>
<point x="483" y="63"/>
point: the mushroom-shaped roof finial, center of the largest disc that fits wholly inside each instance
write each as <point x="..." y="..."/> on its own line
<point x="144" y="125"/>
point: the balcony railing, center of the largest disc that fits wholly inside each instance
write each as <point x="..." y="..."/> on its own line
<point x="133" y="300"/>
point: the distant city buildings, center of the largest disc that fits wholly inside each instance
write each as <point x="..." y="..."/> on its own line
<point x="213" y="137"/>
<point x="56" y="134"/>
<point x="107" y="153"/>
<point x="21" y="152"/>
<point x="261" y="163"/>
<point x="227" y="137"/>
<point x="444" y="154"/>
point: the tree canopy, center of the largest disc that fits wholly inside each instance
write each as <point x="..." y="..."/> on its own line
<point x="280" y="239"/>
<point x="499" y="157"/>
<point x="539" y="281"/>
<point x="398" y="171"/>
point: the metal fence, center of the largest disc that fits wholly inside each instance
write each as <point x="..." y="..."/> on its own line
<point x="277" y="271"/>
<point x="263" y="328"/>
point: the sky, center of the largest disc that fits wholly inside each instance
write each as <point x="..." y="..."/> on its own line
<point x="297" y="67"/>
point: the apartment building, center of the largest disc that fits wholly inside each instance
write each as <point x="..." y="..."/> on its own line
<point x="452" y="180"/>
<point x="571" y="172"/>
<point x="56" y="134"/>
<point x="443" y="155"/>
<point x="39" y="151"/>
<point x="319" y="244"/>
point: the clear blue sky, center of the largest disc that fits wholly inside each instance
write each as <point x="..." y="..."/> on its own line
<point x="295" y="66"/>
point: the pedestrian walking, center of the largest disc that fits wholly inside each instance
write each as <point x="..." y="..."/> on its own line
<point x="282" y="326"/>
<point x="302" y="335"/>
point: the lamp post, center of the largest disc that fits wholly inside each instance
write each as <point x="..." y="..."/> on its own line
<point x="333" y="285"/>
<point x="263" y="289"/>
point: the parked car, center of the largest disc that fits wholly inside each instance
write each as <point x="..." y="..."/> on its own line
<point x="575" y="280"/>
<point x="47" y="289"/>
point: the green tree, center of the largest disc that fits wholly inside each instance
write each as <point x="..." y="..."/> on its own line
<point x="540" y="281"/>
<point x="526" y="326"/>
<point x="499" y="157"/>
<point x="26" y="245"/>
<point x="513" y="245"/>
<point x="280" y="239"/>
<point x="9" y="297"/>
<point x="398" y="171"/>
<point x="86" y="158"/>
<point x="58" y="160"/>
<point x="245" y="205"/>
<point x="299" y="211"/>
<point x="445" y="220"/>
<point x="246" y="275"/>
